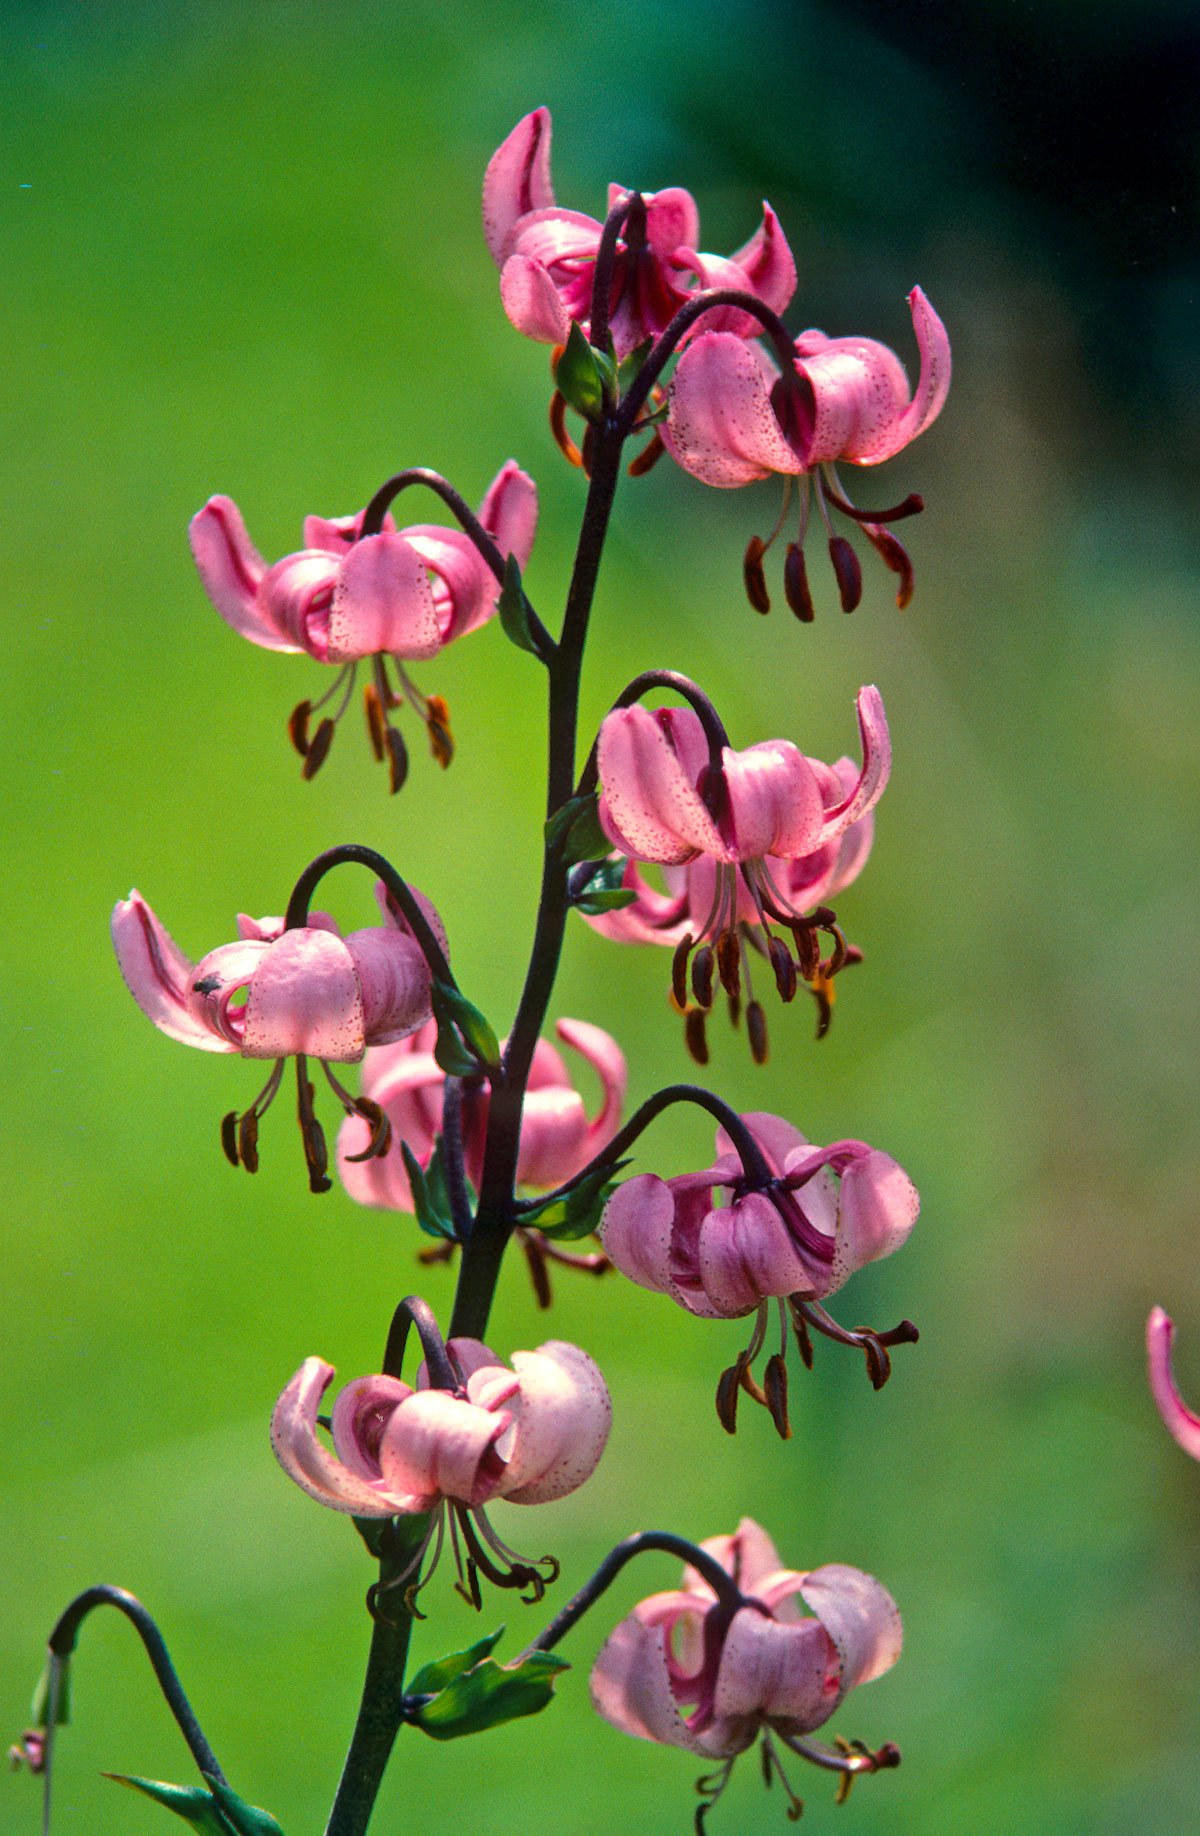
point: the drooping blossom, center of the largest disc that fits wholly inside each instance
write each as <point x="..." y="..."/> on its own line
<point x="344" y="598"/>
<point x="684" y="1670"/>
<point x="756" y="844"/>
<point x="723" y="1246"/>
<point x="547" y="255"/>
<point x="1182" y="1422"/>
<point x="734" y="418"/>
<point x="528" y="1434"/>
<point x="278" y="993"/>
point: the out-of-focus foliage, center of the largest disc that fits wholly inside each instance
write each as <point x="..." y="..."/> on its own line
<point x="244" y="256"/>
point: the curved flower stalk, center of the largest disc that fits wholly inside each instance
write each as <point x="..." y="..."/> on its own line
<point x="824" y="1213"/>
<point x="529" y="1434"/>
<point x="683" y="1670"/>
<point x="279" y="993"/>
<point x="733" y="418"/>
<point x="548" y="256"/>
<point x="345" y="598"/>
<point x="1181" y="1421"/>
<point x="755" y="838"/>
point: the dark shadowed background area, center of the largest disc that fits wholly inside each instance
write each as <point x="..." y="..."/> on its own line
<point x="245" y="257"/>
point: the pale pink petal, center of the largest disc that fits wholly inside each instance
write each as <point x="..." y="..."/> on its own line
<point x="159" y="976"/>
<point x="774" y="1136"/>
<point x="562" y="1423"/>
<point x="436" y="1446"/>
<point x="672" y="220"/>
<point x="775" y="801"/>
<point x="232" y="571"/>
<point x="517" y="179"/>
<point x="653" y="917"/>
<point x="553" y="1137"/>
<point x="607" y="1060"/>
<point x="394" y="983"/>
<point x="470" y="1356"/>
<point x="933" y="385"/>
<point x="748" y="1555"/>
<point x="876" y="767"/>
<point x="877" y="1208"/>
<point x="218" y="980"/>
<point x="381" y="1181"/>
<point x="304" y="997"/>
<point x="648" y="806"/>
<point x="636" y="1231"/>
<point x="764" y="266"/>
<point x="532" y="301"/>
<point x="722" y="426"/>
<point x="779" y="1671"/>
<point x="382" y="601"/>
<point x="296" y="595"/>
<point x="334" y="534"/>
<point x="509" y="512"/>
<point x="305" y="1459"/>
<point x="359" y="1414"/>
<point x="860" y="1617"/>
<point x="393" y="916"/>
<point x="1182" y="1423"/>
<point x="631" y="1685"/>
<point x="464" y="588"/>
<point x="746" y="1254"/>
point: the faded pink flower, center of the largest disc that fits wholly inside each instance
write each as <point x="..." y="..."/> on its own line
<point x="1180" y="1420"/>
<point x="733" y="419"/>
<point x="527" y="1434"/>
<point x="401" y="595"/>
<point x="547" y="255"/>
<point x="683" y="1670"/>
<point x="276" y="993"/>
<point x="756" y="845"/>
<point x="558" y="1139"/>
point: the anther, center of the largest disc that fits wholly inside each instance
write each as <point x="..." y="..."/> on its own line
<point x="702" y="975"/>
<point x="397" y="758"/>
<point x="756" y="1030"/>
<point x="896" y="557"/>
<point x="247" y="1140"/>
<point x="695" y="1036"/>
<point x="298" y="726"/>
<point x="729" y="961"/>
<point x="318" y="750"/>
<point x="786" y="979"/>
<point x="775" y="1388"/>
<point x="795" y="584"/>
<point x="229" y="1138"/>
<point x="803" y="1341"/>
<point x="807" y="949"/>
<point x="821" y="991"/>
<point x="848" y="568"/>
<point x="729" y="1385"/>
<point x="376" y="720"/>
<point x="679" y="964"/>
<point x="437" y="722"/>
<point x="754" y="576"/>
<point x="733" y="1003"/>
<point x="381" y="1129"/>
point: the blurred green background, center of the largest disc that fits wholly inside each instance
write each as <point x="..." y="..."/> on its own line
<point x="245" y="256"/>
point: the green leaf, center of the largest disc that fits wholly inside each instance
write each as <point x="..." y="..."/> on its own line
<point x="452" y="1008"/>
<point x="488" y="1694"/>
<point x="435" y="1676"/>
<point x="193" y="1803"/>
<point x="578" y="1212"/>
<point x="245" y="1818"/>
<point x="574" y="829"/>
<point x="44" y="1693"/>
<point x="513" y="608"/>
<point x="630" y="367"/>
<point x="579" y="377"/>
<point x="605" y="901"/>
<point x="434" y="1222"/>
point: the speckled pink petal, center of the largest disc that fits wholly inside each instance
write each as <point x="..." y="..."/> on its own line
<point x="304" y="997"/>
<point x="435" y="1446"/>
<point x="653" y="917"/>
<point x="649" y="807"/>
<point x="860" y="1617"/>
<point x="607" y="1060"/>
<point x="933" y="385"/>
<point x="876" y="767"/>
<point x="562" y="1422"/>
<point x="509" y="512"/>
<point x="296" y="595"/>
<point x="517" y="180"/>
<point x="746" y="1254"/>
<point x="749" y="1555"/>
<point x="877" y="1208"/>
<point x="359" y="1415"/>
<point x="631" y="1685"/>
<point x="764" y="266"/>
<point x="553" y="1137"/>
<point x="774" y="1136"/>
<point x="770" y="1670"/>
<point x="394" y="983"/>
<point x="464" y="588"/>
<point x="1182" y="1423"/>
<point x="305" y="1459"/>
<point x="159" y="976"/>
<point x="721" y="426"/>
<point x="532" y="302"/>
<point x="636" y="1231"/>
<point x="775" y="801"/>
<point x="220" y="981"/>
<point x="382" y="601"/>
<point x="672" y="220"/>
<point x="232" y="572"/>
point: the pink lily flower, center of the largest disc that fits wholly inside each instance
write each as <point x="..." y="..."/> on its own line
<point x="275" y="994"/>
<point x="558" y="1138"/>
<point x="733" y="419"/>
<point x="1182" y="1423"/>
<point x="824" y="1213"/>
<point x="401" y="595"/>
<point x="547" y="256"/>
<point x="528" y="1434"/>
<point x="682" y="1670"/>
<point x="761" y="842"/>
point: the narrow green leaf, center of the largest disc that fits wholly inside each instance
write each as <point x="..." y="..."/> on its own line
<point x="245" y="1818"/>
<point x="43" y="1693"/>
<point x="490" y="1694"/>
<point x="579" y="378"/>
<point x="606" y="901"/>
<point x="450" y="1005"/>
<point x="629" y="367"/>
<point x="586" y="840"/>
<point x="193" y="1803"/>
<point x="579" y="1212"/>
<point x="563" y="818"/>
<point x="513" y="608"/>
<point x="435" y="1676"/>
<point x="433" y="1222"/>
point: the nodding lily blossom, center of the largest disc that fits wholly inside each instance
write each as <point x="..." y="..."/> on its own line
<point x="685" y="1670"/>
<point x="678" y="916"/>
<point x="277" y="993"/>
<point x="547" y="255"/>
<point x="558" y="1138"/>
<point x="817" y="1216"/>
<point x="762" y="839"/>
<point x="528" y="1434"/>
<point x="734" y="418"/>
<point x="345" y="598"/>
<point x="1180" y="1420"/>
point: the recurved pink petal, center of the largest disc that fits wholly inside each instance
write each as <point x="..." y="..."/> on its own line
<point x="746" y="1254"/>
<point x="748" y="1555"/>
<point x="777" y="1139"/>
<point x="1180" y="1420"/>
<point x="607" y="1060"/>
<point x="509" y="512"/>
<point x="220" y="987"/>
<point x="775" y="803"/>
<point x="159" y="976"/>
<point x="303" y="1457"/>
<point x="860" y="1617"/>
<point x="382" y="601"/>
<point x="517" y="180"/>
<point x="232" y="571"/>
<point x="436" y="1446"/>
<point x="764" y="267"/>
<point x="649" y="807"/>
<point x="785" y="1672"/>
<point x="296" y="596"/>
<point x="722" y="426"/>
<point x="393" y="916"/>
<point x="877" y="1208"/>
<point x="464" y="588"/>
<point x="553" y="1136"/>
<point x="672" y="220"/>
<point x="304" y="997"/>
<point x="653" y="917"/>
<point x="532" y="301"/>
<point x="631" y="1685"/>
<point x="876" y="767"/>
<point x="359" y="1416"/>
<point x="393" y="979"/>
<point x="636" y="1231"/>
<point x="933" y="385"/>
<point x="562" y="1419"/>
